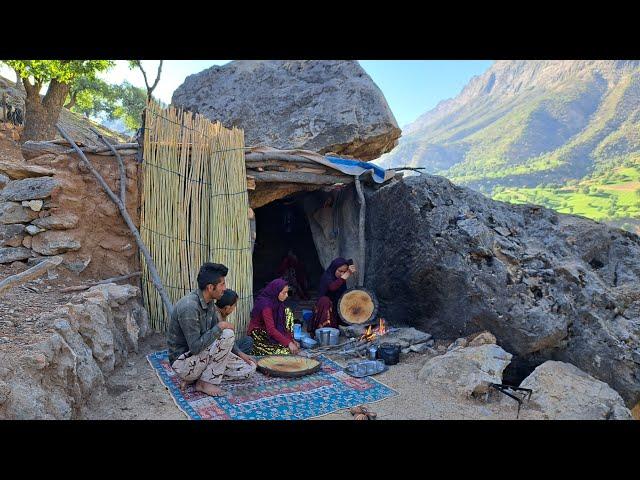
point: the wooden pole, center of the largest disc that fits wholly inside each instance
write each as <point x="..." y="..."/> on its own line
<point x="293" y="177"/>
<point x="123" y="173"/>
<point x="155" y="278"/>
<point x="78" y="288"/>
<point x="29" y="274"/>
<point x="361" y="239"/>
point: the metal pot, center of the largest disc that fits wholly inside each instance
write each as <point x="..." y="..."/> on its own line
<point x="389" y="352"/>
<point x="327" y="336"/>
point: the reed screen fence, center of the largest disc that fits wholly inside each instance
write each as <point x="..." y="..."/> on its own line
<point x="194" y="207"/>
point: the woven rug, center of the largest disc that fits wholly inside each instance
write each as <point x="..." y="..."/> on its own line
<point x="271" y="398"/>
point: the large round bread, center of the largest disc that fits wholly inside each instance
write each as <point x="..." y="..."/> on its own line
<point x="288" y="365"/>
<point x="358" y="306"/>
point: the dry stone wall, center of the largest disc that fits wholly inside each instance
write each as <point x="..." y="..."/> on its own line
<point x="81" y="344"/>
<point x="52" y="205"/>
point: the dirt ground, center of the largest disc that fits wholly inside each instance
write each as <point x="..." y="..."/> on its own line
<point x="134" y="392"/>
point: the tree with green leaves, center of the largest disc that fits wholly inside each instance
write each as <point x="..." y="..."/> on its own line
<point x="150" y="88"/>
<point x="42" y="112"/>
<point x="99" y="99"/>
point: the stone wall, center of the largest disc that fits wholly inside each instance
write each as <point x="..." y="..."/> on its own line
<point x="52" y="205"/>
<point x="79" y="345"/>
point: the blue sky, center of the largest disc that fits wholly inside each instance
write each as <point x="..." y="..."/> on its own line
<point x="411" y="87"/>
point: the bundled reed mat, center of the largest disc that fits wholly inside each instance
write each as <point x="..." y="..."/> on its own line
<point x="194" y="207"/>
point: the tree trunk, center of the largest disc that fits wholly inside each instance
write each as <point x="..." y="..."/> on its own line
<point x="41" y="114"/>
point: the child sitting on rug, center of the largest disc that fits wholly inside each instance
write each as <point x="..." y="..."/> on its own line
<point x="226" y="306"/>
<point x="201" y="348"/>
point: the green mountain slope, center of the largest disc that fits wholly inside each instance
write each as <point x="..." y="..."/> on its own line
<point x="528" y="130"/>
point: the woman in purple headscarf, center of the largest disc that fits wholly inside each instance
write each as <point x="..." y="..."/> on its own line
<point x="333" y="282"/>
<point x="271" y="325"/>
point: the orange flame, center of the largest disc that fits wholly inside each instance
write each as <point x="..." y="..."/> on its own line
<point x="371" y="334"/>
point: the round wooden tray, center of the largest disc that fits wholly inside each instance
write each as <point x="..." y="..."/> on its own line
<point x="289" y="366"/>
<point x="358" y="306"/>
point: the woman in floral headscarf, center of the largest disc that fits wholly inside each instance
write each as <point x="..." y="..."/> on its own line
<point x="271" y="325"/>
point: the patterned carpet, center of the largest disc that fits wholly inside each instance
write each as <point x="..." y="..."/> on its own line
<point x="268" y="398"/>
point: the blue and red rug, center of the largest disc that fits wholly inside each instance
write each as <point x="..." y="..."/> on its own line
<point x="270" y="398"/>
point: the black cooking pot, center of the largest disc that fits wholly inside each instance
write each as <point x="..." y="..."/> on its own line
<point x="389" y="352"/>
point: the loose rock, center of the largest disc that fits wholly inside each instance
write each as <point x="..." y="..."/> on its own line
<point x="466" y="371"/>
<point x="562" y="391"/>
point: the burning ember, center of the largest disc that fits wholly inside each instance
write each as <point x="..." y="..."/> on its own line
<point x="370" y="335"/>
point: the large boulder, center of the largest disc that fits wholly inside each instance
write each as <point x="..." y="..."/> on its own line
<point x="562" y="391"/>
<point x="466" y="371"/>
<point x="451" y="261"/>
<point x="319" y="105"/>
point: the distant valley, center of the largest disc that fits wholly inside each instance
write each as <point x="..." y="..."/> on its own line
<point x="563" y="134"/>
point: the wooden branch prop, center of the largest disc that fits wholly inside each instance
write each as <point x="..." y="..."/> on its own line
<point x="123" y="173"/>
<point x="155" y="277"/>
<point x="257" y="157"/>
<point x="32" y="149"/>
<point x="293" y="177"/>
<point x="361" y="238"/>
<point x="87" y="286"/>
<point x="417" y="169"/>
<point x="29" y="274"/>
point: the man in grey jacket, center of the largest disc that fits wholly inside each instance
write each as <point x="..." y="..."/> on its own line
<point x="201" y="349"/>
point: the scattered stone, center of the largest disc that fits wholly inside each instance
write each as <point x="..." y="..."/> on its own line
<point x="19" y="171"/>
<point x="419" y="348"/>
<point x="77" y="264"/>
<point x="26" y="241"/>
<point x="28" y="189"/>
<point x="131" y="373"/>
<point x="35" y="205"/>
<point x="62" y="221"/>
<point x="33" y="230"/>
<point x="561" y="391"/>
<point x="466" y="371"/>
<point x="484" y="338"/>
<point x="11" y="235"/>
<point x="54" y="242"/>
<point x="12" y="254"/>
<point x="459" y="343"/>
<point x="3" y="180"/>
<point x="11" y="212"/>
